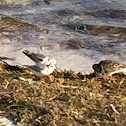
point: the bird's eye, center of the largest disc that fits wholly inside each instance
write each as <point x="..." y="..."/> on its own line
<point x="41" y="59"/>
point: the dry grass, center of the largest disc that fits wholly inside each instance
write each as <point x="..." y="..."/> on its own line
<point x="64" y="98"/>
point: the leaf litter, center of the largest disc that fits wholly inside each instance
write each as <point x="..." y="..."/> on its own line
<point x="63" y="98"/>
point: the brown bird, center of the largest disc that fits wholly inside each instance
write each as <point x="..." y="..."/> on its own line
<point x="109" y="67"/>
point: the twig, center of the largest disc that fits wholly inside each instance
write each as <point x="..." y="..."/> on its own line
<point x="74" y="87"/>
<point x="114" y="109"/>
<point x="27" y="80"/>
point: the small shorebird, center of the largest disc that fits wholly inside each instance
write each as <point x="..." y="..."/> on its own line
<point x="44" y="65"/>
<point x="109" y="67"/>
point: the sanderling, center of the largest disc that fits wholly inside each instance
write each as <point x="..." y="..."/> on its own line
<point x="109" y="67"/>
<point x="44" y="65"/>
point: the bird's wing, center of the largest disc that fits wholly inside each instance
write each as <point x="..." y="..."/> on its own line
<point x="34" y="68"/>
<point x="34" y="56"/>
<point x="108" y="65"/>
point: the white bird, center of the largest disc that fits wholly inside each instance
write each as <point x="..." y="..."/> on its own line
<point x="44" y="65"/>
